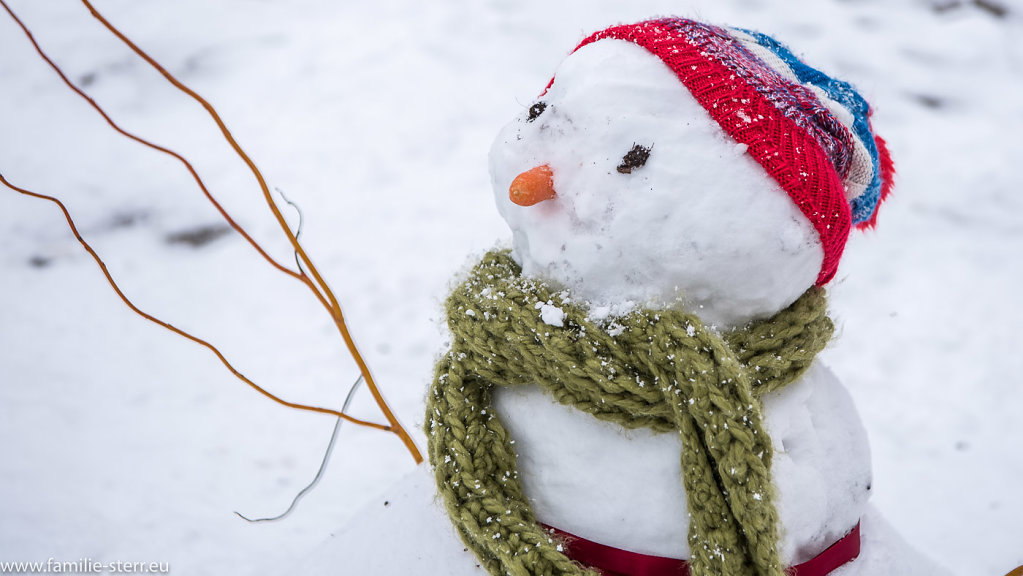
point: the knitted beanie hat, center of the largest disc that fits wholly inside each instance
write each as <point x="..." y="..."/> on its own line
<point x="810" y="132"/>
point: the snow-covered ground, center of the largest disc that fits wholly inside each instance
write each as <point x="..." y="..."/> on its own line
<point x="120" y="441"/>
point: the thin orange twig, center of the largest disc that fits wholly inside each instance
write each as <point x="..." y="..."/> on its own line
<point x="110" y="279"/>
<point x="149" y="144"/>
<point x="320" y="288"/>
<point x="335" y="307"/>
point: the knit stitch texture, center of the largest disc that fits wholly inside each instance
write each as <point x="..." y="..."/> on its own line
<point x="666" y="371"/>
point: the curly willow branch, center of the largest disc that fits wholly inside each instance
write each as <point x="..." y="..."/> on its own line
<point x="316" y="284"/>
<point x="220" y="356"/>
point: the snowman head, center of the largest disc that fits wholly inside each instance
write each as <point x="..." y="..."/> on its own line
<point x="674" y="163"/>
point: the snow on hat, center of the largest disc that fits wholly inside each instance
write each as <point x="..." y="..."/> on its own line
<point x="809" y="131"/>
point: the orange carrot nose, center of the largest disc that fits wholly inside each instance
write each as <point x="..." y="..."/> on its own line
<point x="532" y="186"/>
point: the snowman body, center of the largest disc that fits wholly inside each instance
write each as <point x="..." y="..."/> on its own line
<point x="627" y="188"/>
<point x="623" y="488"/>
<point x="697" y="224"/>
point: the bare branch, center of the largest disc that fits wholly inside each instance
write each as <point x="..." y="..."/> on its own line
<point x="147" y="144"/>
<point x="313" y="280"/>
<point x="321" y="284"/>
<point x="220" y="356"/>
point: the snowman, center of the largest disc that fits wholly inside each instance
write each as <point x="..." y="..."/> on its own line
<point x="632" y="389"/>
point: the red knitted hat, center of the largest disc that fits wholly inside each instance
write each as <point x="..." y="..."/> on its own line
<point x="810" y="132"/>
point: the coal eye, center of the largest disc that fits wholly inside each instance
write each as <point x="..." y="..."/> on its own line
<point x="634" y="159"/>
<point x="536" y="110"/>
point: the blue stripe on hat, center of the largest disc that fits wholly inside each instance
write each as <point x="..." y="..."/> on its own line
<point x="865" y="204"/>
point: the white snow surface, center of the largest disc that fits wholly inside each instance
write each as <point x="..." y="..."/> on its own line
<point x="410" y="513"/>
<point x="120" y="441"/>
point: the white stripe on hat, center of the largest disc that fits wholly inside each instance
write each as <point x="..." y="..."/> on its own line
<point x="861" y="168"/>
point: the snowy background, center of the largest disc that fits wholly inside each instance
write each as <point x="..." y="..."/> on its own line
<point x="120" y="441"/>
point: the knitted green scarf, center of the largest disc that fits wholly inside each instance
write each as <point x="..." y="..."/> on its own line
<point x="665" y="370"/>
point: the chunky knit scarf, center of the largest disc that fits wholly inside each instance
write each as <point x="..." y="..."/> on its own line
<point x="656" y="369"/>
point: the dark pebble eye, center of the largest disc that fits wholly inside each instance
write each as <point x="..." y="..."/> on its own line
<point x="536" y="110"/>
<point x="634" y="159"/>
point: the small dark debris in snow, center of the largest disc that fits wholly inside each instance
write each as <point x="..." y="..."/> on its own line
<point x="992" y="7"/>
<point x="929" y="101"/>
<point x="39" y="261"/>
<point x="126" y="220"/>
<point x="87" y="79"/>
<point x="536" y="110"/>
<point x="942" y="7"/>
<point x="199" y="236"/>
<point x="387" y="502"/>
<point x="634" y="159"/>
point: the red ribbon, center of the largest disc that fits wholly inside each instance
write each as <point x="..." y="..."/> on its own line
<point x="616" y="562"/>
